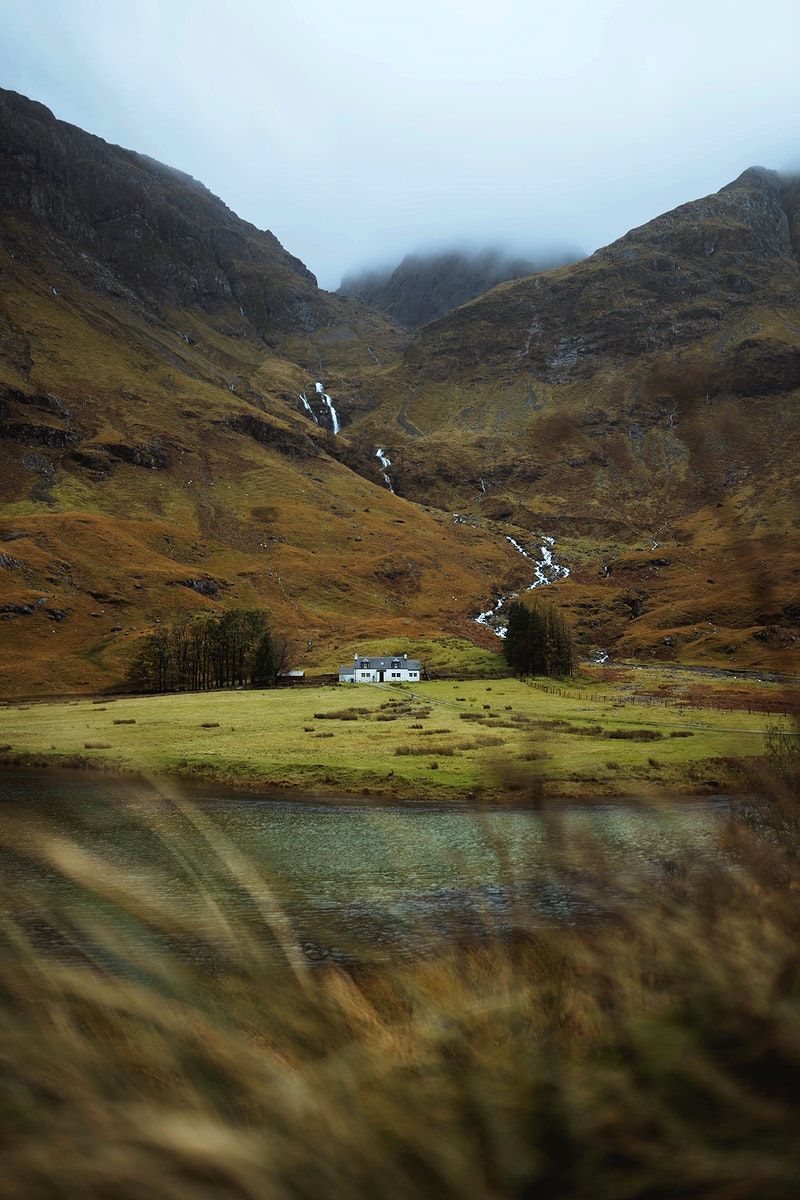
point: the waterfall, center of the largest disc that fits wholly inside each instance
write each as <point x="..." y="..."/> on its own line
<point x="546" y="571"/>
<point x="385" y="462"/>
<point x="320" y="390"/>
<point x="308" y="408"/>
<point x="484" y="617"/>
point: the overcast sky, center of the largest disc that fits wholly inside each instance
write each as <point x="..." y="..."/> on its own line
<point x="357" y="130"/>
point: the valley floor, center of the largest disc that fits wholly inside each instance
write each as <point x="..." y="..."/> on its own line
<point x="615" y="732"/>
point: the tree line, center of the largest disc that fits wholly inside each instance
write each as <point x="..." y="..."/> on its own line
<point x="211" y="650"/>
<point x="538" y="641"/>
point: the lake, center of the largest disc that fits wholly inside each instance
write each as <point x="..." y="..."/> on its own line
<point x="355" y="880"/>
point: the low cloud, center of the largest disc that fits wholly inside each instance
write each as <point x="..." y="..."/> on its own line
<point x="359" y="132"/>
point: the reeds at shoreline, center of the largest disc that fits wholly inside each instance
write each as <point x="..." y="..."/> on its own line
<point x="654" y="1052"/>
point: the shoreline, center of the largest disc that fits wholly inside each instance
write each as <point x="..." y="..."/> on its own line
<point x="406" y="795"/>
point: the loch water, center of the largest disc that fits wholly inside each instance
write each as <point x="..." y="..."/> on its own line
<point x="354" y="880"/>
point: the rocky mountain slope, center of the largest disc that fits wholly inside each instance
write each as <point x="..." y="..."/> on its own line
<point x="426" y="286"/>
<point x="624" y="430"/>
<point x="643" y="407"/>
<point x="156" y="455"/>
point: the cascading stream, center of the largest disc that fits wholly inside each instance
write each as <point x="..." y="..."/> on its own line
<point x="326" y="400"/>
<point x="546" y="569"/>
<point x="308" y="408"/>
<point x="385" y="462"/>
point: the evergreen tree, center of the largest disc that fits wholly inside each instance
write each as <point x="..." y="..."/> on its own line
<point x="538" y="640"/>
<point x="515" y="640"/>
<point x="264" y="668"/>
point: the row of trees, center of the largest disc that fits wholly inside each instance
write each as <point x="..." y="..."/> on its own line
<point x="211" y="650"/>
<point x="538" y="641"/>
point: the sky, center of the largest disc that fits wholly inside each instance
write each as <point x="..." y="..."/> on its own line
<point x="359" y="131"/>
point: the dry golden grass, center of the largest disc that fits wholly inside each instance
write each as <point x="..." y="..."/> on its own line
<point x="653" y="1054"/>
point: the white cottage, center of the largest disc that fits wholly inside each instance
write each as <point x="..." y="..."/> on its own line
<point x="381" y="669"/>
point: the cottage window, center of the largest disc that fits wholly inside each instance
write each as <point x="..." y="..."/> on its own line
<point x="365" y="665"/>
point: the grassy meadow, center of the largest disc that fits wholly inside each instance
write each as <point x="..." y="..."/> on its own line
<point x="589" y="737"/>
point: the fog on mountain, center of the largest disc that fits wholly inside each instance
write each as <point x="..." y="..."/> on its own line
<point x="426" y="285"/>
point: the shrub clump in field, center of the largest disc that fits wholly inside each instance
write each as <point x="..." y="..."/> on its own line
<point x="477" y="743"/>
<point x="680" y="733"/>
<point x="634" y="735"/>
<point x="124" y="720"/>
<point x="97" y="745"/>
<point x="204" y="724"/>
<point x="343" y="714"/>
<point x="328" y="733"/>
<point x="420" y="748"/>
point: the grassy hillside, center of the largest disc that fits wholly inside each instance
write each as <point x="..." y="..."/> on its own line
<point x="156" y="457"/>
<point x="642" y="407"/>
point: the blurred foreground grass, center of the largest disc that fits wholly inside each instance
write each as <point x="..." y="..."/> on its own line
<point x="654" y="1053"/>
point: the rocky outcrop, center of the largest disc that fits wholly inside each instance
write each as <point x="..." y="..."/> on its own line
<point x="33" y="433"/>
<point x="288" y="441"/>
<point x="148" y="232"/>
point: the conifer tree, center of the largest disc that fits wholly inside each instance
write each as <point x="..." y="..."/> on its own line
<point x="264" y="670"/>
<point x="538" y="640"/>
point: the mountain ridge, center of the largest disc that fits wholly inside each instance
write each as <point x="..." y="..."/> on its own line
<point x="157" y="458"/>
<point x="625" y="400"/>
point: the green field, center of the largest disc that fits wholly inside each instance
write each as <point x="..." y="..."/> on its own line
<point x="445" y="739"/>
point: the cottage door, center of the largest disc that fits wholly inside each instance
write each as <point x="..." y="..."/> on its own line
<point x="380" y="676"/>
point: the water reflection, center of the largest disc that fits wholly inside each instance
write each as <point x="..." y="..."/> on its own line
<point x="354" y="881"/>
